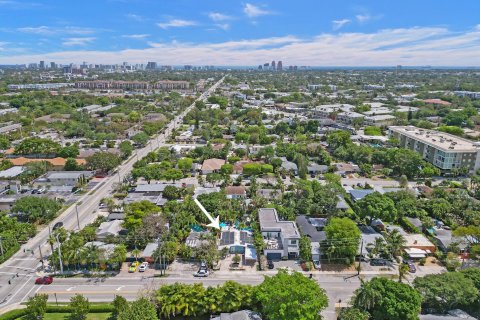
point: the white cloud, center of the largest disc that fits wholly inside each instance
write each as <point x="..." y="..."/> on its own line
<point x="337" y="24"/>
<point x="254" y="11"/>
<point x="216" y="16"/>
<point x="388" y="47"/>
<point x="51" y="31"/>
<point x="78" y="41"/>
<point x="176" y="23"/>
<point x="135" y="17"/>
<point x="135" y="36"/>
<point x="223" y="26"/>
<point x="363" y="18"/>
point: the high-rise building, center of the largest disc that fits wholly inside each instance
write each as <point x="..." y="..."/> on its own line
<point x="279" y="66"/>
<point x="151" y="65"/>
<point x="273" y="65"/>
<point x="53" y="65"/>
<point x="42" y="64"/>
<point x="260" y="67"/>
<point x="266" y="65"/>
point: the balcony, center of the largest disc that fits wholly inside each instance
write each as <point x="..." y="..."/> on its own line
<point x="273" y="244"/>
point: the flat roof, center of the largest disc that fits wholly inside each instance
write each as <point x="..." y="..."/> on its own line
<point x="11" y="172"/>
<point x="268" y="218"/>
<point x="439" y="140"/>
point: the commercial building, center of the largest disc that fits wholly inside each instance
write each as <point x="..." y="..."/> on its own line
<point x="443" y="150"/>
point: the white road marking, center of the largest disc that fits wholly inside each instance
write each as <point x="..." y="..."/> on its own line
<point x="21" y="288"/>
<point x="119" y="288"/>
<point x="71" y="288"/>
<point x="28" y="293"/>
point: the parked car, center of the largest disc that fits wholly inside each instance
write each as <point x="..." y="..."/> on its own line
<point x="202" y="273"/>
<point x="270" y="264"/>
<point x="133" y="266"/>
<point x="143" y="267"/>
<point x="411" y="266"/>
<point x="57" y="225"/>
<point x="203" y="265"/>
<point x="378" y="262"/>
<point x="44" y="280"/>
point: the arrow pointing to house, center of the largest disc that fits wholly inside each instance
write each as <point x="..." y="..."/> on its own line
<point x="214" y="223"/>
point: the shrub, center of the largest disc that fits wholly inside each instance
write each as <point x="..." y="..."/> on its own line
<point x="14" y="314"/>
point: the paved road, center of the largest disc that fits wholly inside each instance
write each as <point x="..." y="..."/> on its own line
<point x="26" y="262"/>
<point x="131" y="287"/>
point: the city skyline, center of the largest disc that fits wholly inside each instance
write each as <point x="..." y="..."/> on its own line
<point x="239" y="33"/>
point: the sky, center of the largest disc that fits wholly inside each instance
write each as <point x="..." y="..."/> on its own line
<point x="243" y="33"/>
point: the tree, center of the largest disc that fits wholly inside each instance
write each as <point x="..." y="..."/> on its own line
<point x="338" y="139"/>
<point x="342" y="239"/>
<point x="173" y="174"/>
<point x="4" y="143"/>
<point x="135" y="212"/>
<point x="180" y="300"/>
<point x="126" y="149"/>
<point x="37" y="306"/>
<point x="403" y="270"/>
<point x="385" y="299"/>
<point x="290" y="296"/>
<point x="35" y="145"/>
<point x="103" y="161"/>
<point x="305" y="248"/>
<point x="446" y="291"/>
<point x="252" y="169"/>
<point x="72" y="165"/>
<point x="353" y="314"/>
<point x="68" y="151"/>
<point x="185" y="164"/>
<point x="403" y="181"/>
<point x="140" y="138"/>
<point x="376" y="206"/>
<point x="140" y="309"/>
<point x="36" y="209"/>
<point x="395" y="242"/>
<point x="120" y="305"/>
<point x="79" y="306"/>
<point x="226" y="169"/>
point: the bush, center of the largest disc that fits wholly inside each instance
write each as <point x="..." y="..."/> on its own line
<point x="422" y="261"/>
<point x="14" y="314"/>
<point x="408" y="226"/>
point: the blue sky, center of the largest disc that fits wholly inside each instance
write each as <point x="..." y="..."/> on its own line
<point x="230" y="32"/>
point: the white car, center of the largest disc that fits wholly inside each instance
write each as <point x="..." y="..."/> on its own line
<point x="143" y="267"/>
<point x="201" y="273"/>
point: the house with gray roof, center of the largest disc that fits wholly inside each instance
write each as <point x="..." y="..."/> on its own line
<point x="281" y="237"/>
<point x="289" y="166"/>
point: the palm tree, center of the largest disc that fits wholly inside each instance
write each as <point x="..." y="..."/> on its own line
<point x="365" y="297"/>
<point x="395" y="242"/>
<point x="136" y="252"/>
<point x="403" y="270"/>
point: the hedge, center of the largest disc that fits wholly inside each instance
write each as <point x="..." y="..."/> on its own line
<point x="14" y="314"/>
<point x="408" y="226"/>
<point x="94" y="308"/>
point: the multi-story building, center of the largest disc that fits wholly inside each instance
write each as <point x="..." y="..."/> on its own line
<point x="282" y="238"/>
<point x="279" y="66"/>
<point x="379" y="120"/>
<point x="137" y="85"/>
<point x="443" y="150"/>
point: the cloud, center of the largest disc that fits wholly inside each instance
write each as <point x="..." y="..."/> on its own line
<point x="78" y="41"/>
<point x="363" y="18"/>
<point x="216" y="16"/>
<point x="253" y="11"/>
<point x="135" y="17"/>
<point x="51" y="31"/>
<point x="223" y="26"/>
<point x="176" y="23"/>
<point x="135" y="36"/>
<point x="337" y="24"/>
<point x="387" y="47"/>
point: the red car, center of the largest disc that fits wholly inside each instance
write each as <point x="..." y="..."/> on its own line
<point x="44" y="280"/>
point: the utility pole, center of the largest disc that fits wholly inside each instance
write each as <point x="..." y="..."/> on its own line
<point x="78" y="220"/>
<point x="1" y="245"/>
<point x="360" y="261"/>
<point x="60" y="255"/>
<point x="41" y="255"/>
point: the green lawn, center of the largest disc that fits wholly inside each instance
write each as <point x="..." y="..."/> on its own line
<point x="62" y="316"/>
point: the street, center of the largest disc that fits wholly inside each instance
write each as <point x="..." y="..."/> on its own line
<point x="26" y="262"/>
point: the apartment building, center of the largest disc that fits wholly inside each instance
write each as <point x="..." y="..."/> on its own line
<point x="282" y="238"/>
<point x="443" y="150"/>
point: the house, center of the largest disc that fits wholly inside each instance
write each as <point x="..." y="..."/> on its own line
<point x="65" y="178"/>
<point x="239" y="315"/>
<point x="11" y="173"/>
<point x="281" y="237"/>
<point x="109" y="228"/>
<point x="116" y="216"/>
<point x="455" y="314"/>
<point x="358" y="194"/>
<point x="414" y="240"/>
<point x="347" y="168"/>
<point x="7" y="202"/>
<point x="289" y="166"/>
<point x="154" y="189"/>
<point x="314" y="168"/>
<point x="368" y="238"/>
<point x="212" y="165"/>
<point x="57" y="163"/>
<point x="196" y="238"/>
<point x="444" y="239"/>
<point x="342" y="204"/>
<point x="269" y="194"/>
<point x="235" y="192"/>
<point x="148" y="252"/>
<point x="380" y="120"/>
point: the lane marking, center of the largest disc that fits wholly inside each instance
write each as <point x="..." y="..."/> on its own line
<point x="71" y="288"/>
<point x="119" y="288"/>
<point x="28" y="293"/>
<point x="21" y="288"/>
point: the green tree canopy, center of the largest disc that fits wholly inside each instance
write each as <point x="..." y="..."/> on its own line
<point x="36" y="209"/>
<point x="290" y="296"/>
<point x="386" y="299"/>
<point x="103" y="161"/>
<point x="377" y="206"/>
<point x="343" y="239"/>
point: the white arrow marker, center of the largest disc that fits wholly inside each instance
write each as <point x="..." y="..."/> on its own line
<point x="70" y="289"/>
<point x="119" y="288"/>
<point x="214" y="223"/>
